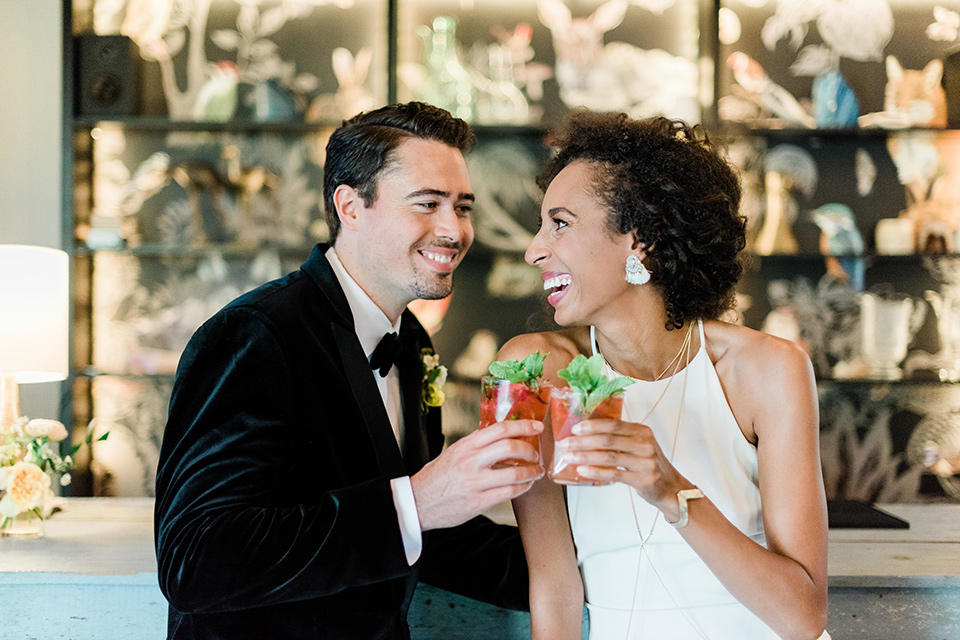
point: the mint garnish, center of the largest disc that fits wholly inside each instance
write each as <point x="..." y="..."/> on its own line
<point x="585" y="377"/>
<point x="527" y="371"/>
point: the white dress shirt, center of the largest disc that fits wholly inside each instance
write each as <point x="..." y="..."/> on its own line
<point x="370" y="324"/>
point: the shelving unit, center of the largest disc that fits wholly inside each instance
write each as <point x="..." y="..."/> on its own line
<point x="136" y="303"/>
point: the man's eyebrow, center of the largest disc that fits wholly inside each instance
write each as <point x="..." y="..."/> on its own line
<point x="439" y="193"/>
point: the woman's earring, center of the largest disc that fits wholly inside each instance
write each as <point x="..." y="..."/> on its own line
<point x="636" y="272"/>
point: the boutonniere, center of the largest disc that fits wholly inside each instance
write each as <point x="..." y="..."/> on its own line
<point x="434" y="377"/>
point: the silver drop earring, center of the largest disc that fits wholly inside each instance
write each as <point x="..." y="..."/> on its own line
<point x="636" y="272"/>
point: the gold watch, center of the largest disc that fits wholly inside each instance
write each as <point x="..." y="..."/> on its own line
<point x="682" y="496"/>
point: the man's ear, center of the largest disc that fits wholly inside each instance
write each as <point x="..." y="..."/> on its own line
<point x="348" y="204"/>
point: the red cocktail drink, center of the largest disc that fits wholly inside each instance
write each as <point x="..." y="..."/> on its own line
<point x="566" y="410"/>
<point x="504" y="400"/>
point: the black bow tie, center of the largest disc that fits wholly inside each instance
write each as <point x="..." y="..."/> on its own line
<point x="387" y="353"/>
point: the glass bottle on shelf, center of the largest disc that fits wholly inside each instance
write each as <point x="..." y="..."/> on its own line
<point x="503" y="100"/>
<point x="448" y="83"/>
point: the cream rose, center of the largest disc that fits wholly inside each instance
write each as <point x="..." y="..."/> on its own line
<point x="10" y="453"/>
<point x="52" y="429"/>
<point x="27" y="487"/>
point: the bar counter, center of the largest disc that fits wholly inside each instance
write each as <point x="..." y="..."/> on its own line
<point x="93" y="576"/>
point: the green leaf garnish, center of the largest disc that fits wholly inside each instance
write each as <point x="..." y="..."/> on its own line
<point x="585" y="376"/>
<point x="527" y="371"/>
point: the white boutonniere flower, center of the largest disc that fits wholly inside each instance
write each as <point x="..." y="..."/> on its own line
<point x="434" y="377"/>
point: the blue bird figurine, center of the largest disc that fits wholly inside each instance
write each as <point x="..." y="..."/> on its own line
<point x="835" y="105"/>
<point x="841" y="242"/>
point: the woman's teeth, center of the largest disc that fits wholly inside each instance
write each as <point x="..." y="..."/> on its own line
<point x="557" y="282"/>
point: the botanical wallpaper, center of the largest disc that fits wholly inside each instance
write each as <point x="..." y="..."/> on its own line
<point x="180" y="220"/>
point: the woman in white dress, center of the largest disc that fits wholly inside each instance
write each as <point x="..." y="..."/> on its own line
<point x="639" y="247"/>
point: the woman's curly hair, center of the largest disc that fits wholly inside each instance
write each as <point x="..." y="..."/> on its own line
<point x="665" y="180"/>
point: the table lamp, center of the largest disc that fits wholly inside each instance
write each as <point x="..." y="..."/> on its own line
<point x="34" y="313"/>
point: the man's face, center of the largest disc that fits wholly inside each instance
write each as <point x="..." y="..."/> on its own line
<point x="417" y="231"/>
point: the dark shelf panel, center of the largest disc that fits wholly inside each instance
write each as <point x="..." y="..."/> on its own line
<point x="869" y="257"/>
<point x="915" y="381"/>
<point x="162" y="250"/>
<point x="510" y="130"/>
<point x="91" y="372"/>
<point x="151" y="123"/>
<point x="740" y="130"/>
<point x="153" y="250"/>
<point x="154" y="123"/>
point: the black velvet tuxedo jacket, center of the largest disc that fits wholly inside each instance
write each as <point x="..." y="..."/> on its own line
<point x="274" y="514"/>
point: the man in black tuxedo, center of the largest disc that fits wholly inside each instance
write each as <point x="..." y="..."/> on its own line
<point x="301" y="488"/>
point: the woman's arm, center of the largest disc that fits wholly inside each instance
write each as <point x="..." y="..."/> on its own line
<point x="556" y="591"/>
<point x="785" y="584"/>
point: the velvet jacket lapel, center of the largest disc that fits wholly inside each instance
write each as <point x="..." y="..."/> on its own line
<point x="356" y="367"/>
<point x="415" y="450"/>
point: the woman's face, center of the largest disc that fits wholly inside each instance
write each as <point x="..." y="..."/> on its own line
<point x="581" y="261"/>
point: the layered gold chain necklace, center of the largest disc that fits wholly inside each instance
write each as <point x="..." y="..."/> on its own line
<point x="683" y="356"/>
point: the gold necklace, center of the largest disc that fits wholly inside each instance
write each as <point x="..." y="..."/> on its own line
<point x="683" y="344"/>
<point x="685" y="350"/>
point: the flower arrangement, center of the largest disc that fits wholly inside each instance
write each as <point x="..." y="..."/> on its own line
<point x="26" y="462"/>
<point x="434" y="377"/>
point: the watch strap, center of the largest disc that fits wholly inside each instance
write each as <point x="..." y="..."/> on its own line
<point x="682" y="496"/>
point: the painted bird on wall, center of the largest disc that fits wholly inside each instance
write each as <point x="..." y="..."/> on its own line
<point x="217" y="98"/>
<point x="841" y="242"/>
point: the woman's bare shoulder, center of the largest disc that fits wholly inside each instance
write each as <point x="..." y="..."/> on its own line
<point x="561" y="346"/>
<point x="752" y="350"/>
<point x="760" y="373"/>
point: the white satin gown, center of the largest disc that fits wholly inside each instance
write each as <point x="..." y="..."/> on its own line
<point x="667" y="591"/>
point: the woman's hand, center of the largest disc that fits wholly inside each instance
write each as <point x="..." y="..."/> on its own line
<point x="628" y="453"/>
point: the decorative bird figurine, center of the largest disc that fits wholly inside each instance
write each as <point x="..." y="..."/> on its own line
<point x="841" y="242"/>
<point x="754" y="80"/>
<point x="834" y="103"/>
<point x="217" y="98"/>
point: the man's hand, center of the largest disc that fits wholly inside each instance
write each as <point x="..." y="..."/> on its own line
<point x="460" y="483"/>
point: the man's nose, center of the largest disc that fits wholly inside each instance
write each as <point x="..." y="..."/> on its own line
<point x="448" y="224"/>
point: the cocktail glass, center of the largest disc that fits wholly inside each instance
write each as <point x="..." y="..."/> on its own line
<point x="566" y="410"/>
<point x="504" y="400"/>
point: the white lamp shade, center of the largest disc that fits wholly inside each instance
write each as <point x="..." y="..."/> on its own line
<point x="34" y="313"/>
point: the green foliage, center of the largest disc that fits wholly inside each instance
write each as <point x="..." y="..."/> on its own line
<point x="585" y="377"/>
<point x="527" y="371"/>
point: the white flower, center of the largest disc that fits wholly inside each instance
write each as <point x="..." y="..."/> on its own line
<point x="27" y="487"/>
<point x="65" y="479"/>
<point x="17" y="429"/>
<point x="39" y="427"/>
<point x="9" y="454"/>
<point x="434" y="377"/>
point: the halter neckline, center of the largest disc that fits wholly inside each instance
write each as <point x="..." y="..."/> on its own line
<point x="596" y="350"/>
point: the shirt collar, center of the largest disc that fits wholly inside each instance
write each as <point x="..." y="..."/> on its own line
<point x="369" y="321"/>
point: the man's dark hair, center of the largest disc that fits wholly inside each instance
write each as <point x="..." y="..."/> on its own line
<point x="360" y="149"/>
<point x="665" y="180"/>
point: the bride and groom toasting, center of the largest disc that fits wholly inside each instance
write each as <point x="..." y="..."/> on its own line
<point x="303" y="488"/>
